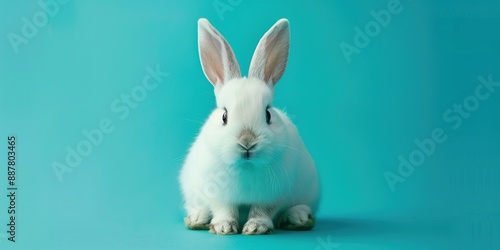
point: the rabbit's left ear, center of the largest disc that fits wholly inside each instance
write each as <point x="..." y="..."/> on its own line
<point x="217" y="58"/>
<point x="271" y="55"/>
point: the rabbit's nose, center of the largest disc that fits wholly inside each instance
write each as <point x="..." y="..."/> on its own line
<point x="247" y="139"/>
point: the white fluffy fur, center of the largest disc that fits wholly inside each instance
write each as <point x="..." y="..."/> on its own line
<point x="279" y="181"/>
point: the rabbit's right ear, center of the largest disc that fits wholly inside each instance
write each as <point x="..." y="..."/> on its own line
<point x="217" y="58"/>
<point x="271" y="55"/>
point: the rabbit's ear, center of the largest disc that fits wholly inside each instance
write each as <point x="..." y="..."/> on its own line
<point x="217" y="58"/>
<point x="271" y="55"/>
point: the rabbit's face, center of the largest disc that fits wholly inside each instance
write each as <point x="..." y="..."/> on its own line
<point x="244" y="129"/>
<point x="246" y="124"/>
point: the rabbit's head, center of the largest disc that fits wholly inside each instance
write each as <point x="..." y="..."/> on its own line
<point x="245" y="128"/>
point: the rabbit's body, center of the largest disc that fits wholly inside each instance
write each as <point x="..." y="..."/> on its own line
<point x="247" y="153"/>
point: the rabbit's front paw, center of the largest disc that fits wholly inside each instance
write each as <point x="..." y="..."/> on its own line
<point x="224" y="227"/>
<point x="197" y="219"/>
<point x="258" y="226"/>
<point x="297" y="218"/>
<point x="196" y="223"/>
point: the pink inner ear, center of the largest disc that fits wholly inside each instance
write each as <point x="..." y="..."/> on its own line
<point x="276" y="61"/>
<point x="218" y="60"/>
<point x="271" y="55"/>
<point x="212" y="61"/>
<point x="271" y="61"/>
<point x="212" y="68"/>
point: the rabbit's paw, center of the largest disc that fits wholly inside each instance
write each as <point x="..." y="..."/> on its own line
<point x="258" y="226"/>
<point x="224" y="227"/>
<point x="297" y="218"/>
<point x="197" y="222"/>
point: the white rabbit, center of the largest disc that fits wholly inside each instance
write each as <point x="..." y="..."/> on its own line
<point x="248" y="160"/>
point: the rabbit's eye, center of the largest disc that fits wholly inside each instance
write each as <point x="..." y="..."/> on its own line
<point x="268" y="117"/>
<point x="224" y="117"/>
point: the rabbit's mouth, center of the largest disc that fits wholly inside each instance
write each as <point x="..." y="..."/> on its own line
<point x="247" y="153"/>
<point x="247" y="144"/>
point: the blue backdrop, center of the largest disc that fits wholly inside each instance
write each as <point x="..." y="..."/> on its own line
<point x="398" y="102"/>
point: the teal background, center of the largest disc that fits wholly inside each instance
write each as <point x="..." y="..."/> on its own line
<point x="356" y="119"/>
